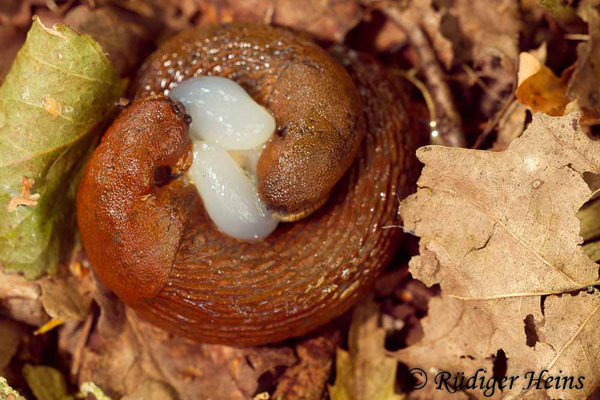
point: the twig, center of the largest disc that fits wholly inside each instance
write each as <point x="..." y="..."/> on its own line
<point x="80" y="345"/>
<point x="449" y="124"/>
<point x="473" y="75"/>
<point x="410" y="76"/>
<point x="577" y="36"/>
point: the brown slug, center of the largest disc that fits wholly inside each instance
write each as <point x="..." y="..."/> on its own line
<point x="318" y="135"/>
<point x="152" y="242"/>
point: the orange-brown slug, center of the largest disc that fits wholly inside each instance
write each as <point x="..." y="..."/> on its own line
<point x="344" y="154"/>
<point x="314" y="101"/>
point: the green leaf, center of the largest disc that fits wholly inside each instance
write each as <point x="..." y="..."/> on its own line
<point x="46" y="383"/>
<point x="365" y="371"/>
<point x="88" y="388"/>
<point x="8" y="393"/>
<point x="53" y="101"/>
<point x="559" y="9"/>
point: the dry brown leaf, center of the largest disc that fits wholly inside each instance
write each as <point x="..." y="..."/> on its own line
<point x="510" y="125"/>
<point x="67" y="298"/>
<point x="584" y="85"/>
<point x="365" y="371"/>
<point x="512" y="117"/>
<point x="443" y="113"/>
<point x="15" y="13"/>
<point x="429" y="17"/>
<point x="499" y="234"/>
<point x="490" y="32"/>
<point x="388" y="37"/>
<point x="123" y="352"/>
<point x="20" y="299"/>
<point x="485" y="35"/>
<point x="124" y="36"/>
<point x="589" y="216"/>
<point x="330" y="19"/>
<point x="539" y="89"/>
<point x="252" y="11"/>
<point x="145" y="8"/>
<point x="430" y="393"/>
<point x="151" y="390"/>
<point x="307" y="379"/>
<point x="431" y="23"/>
<point x="325" y="19"/>
<point x="195" y="369"/>
<point x="64" y="297"/>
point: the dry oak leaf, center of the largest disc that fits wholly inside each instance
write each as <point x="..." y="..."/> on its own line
<point x="500" y="236"/>
<point x="365" y="371"/>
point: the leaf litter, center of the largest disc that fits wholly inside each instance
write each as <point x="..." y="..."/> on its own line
<point x="511" y="289"/>
<point x="514" y="212"/>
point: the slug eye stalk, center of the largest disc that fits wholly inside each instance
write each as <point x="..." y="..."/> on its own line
<point x="154" y="243"/>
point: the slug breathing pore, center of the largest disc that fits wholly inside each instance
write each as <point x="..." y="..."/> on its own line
<point x="228" y="131"/>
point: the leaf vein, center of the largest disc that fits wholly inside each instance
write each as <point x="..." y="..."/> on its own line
<point x="66" y="71"/>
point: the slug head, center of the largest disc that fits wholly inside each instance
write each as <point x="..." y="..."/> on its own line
<point x="131" y="222"/>
<point x="314" y="101"/>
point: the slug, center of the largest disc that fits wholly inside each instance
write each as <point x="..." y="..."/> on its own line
<point x="318" y="135"/>
<point x="341" y="157"/>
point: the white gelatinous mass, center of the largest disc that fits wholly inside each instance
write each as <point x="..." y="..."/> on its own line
<point x="223" y="113"/>
<point x="228" y="130"/>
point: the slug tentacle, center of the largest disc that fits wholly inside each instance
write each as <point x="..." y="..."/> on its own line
<point x="215" y="288"/>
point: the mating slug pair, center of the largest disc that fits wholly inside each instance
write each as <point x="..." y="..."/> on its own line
<point x="341" y="155"/>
